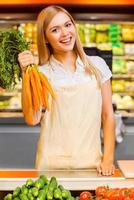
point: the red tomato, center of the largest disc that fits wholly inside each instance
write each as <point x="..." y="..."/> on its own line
<point x="127" y="198"/>
<point x="109" y="194"/>
<point x="131" y="192"/>
<point x="98" y="198"/>
<point x="124" y="192"/>
<point x="104" y="199"/>
<point x="85" y="195"/>
<point x="100" y="191"/>
<point x="115" y="195"/>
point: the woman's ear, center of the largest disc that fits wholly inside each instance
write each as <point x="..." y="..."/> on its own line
<point x="46" y="41"/>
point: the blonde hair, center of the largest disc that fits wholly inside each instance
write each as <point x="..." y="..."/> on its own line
<point x="44" y="49"/>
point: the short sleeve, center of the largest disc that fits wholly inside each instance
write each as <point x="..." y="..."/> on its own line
<point x="100" y="63"/>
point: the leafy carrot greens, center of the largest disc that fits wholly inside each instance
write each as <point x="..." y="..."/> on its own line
<point x="12" y="42"/>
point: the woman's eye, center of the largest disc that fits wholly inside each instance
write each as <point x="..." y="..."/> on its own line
<point x="68" y="24"/>
<point x="55" y="30"/>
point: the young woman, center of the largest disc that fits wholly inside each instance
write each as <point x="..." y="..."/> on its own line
<point x="70" y="131"/>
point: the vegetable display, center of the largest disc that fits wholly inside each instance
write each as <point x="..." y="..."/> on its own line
<point x="40" y="189"/>
<point x="12" y="43"/>
<point x="44" y="189"/>
<point x="106" y="193"/>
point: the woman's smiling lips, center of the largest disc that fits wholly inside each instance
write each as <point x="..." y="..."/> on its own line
<point x="66" y="41"/>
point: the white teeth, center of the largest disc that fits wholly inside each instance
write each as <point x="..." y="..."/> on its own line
<point x="67" y="40"/>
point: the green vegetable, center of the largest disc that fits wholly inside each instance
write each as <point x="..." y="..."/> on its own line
<point x="49" y="195"/>
<point x="45" y="188"/>
<point x="57" y="193"/>
<point x="70" y="197"/>
<point x="24" y="189"/>
<point x="39" y="183"/>
<point x="29" y="183"/>
<point x="8" y="197"/>
<point x="61" y="187"/>
<point x="40" y="189"/>
<point x="34" y="191"/>
<point x="44" y="178"/>
<point x="65" y="193"/>
<point x="16" y="198"/>
<point x="53" y="183"/>
<point x="30" y="196"/>
<point x="41" y="195"/>
<point x="16" y="192"/>
<point x="12" y="43"/>
<point x="23" y="197"/>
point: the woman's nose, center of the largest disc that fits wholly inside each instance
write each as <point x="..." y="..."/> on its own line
<point x="64" y="31"/>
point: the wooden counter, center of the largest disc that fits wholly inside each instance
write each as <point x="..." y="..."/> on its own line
<point x="71" y="179"/>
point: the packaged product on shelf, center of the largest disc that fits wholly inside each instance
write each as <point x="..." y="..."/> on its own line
<point x="128" y="102"/>
<point x="128" y="32"/>
<point x="118" y="85"/>
<point x="104" y="46"/>
<point x="4" y="104"/>
<point x="130" y="67"/>
<point x="101" y="37"/>
<point x="114" y="33"/>
<point x="118" y="48"/>
<point x="15" y="102"/>
<point x="116" y="98"/>
<point x="90" y="33"/>
<point x="119" y="66"/>
<point x="129" y="86"/>
<point x="102" y="27"/>
<point x="129" y="49"/>
<point x="80" y="28"/>
<point x="30" y="33"/>
<point x="123" y="102"/>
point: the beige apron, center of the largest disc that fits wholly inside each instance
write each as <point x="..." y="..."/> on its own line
<point x="70" y="131"/>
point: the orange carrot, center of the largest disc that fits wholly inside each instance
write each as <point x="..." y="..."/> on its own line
<point x="35" y="97"/>
<point x="45" y="98"/>
<point x="28" y="89"/>
<point x="37" y="84"/>
<point x="45" y="82"/>
<point x="36" y="77"/>
<point x="27" y="107"/>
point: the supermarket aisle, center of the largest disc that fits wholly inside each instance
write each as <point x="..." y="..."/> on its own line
<point x="125" y="149"/>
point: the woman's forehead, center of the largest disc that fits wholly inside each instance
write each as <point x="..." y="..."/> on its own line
<point x="59" y="19"/>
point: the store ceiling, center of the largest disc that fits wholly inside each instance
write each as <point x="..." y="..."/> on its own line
<point x="69" y="2"/>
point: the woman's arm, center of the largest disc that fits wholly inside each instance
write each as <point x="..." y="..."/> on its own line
<point x="108" y="124"/>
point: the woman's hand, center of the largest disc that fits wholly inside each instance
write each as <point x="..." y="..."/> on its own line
<point x="106" y="169"/>
<point x="26" y="58"/>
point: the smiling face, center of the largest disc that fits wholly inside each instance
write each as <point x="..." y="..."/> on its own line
<point x="61" y="33"/>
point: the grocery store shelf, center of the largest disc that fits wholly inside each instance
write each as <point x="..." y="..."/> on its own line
<point x="124" y="93"/>
<point x="124" y="57"/>
<point x="123" y="76"/>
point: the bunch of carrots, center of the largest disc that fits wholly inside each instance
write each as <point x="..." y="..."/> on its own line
<point x="35" y="91"/>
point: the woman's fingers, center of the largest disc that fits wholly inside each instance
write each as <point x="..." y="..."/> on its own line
<point x="106" y="170"/>
<point x="99" y="170"/>
<point x="26" y="58"/>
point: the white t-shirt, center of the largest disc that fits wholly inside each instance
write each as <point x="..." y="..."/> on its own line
<point x="63" y="77"/>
